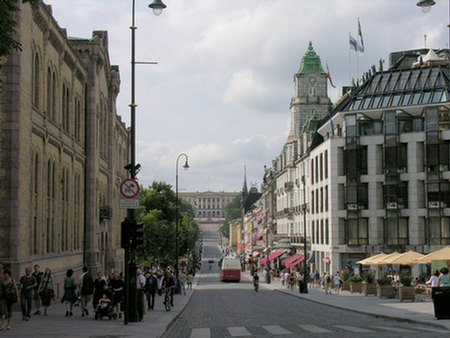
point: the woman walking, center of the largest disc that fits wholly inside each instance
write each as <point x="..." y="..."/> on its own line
<point x="46" y="290"/>
<point x="99" y="286"/>
<point x="9" y="295"/>
<point x="70" y="296"/>
<point x="444" y="278"/>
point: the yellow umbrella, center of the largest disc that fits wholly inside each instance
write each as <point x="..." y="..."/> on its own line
<point x="407" y="258"/>
<point x="369" y="260"/>
<point x="387" y="259"/>
<point x="439" y="255"/>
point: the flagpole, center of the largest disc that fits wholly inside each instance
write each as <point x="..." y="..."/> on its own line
<point x="349" y="62"/>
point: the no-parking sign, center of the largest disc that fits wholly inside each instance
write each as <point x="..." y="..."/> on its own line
<point x="129" y="194"/>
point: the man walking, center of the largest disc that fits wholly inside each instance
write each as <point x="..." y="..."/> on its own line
<point x="140" y="285"/>
<point x="37" y="274"/>
<point x="28" y="283"/>
<point x="150" y="289"/>
<point x="86" y="283"/>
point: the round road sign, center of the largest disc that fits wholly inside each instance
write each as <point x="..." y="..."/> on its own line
<point x="129" y="188"/>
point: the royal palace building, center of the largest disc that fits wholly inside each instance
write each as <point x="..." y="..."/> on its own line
<point x="63" y="150"/>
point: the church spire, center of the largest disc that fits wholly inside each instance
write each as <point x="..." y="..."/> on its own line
<point x="244" y="188"/>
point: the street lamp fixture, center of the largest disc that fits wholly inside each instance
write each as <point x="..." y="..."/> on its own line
<point x="177" y="239"/>
<point x="425" y="5"/>
<point x="157" y="6"/>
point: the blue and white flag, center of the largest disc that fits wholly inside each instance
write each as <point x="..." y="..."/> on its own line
<point x="353" y="43"/>
<point x="361" y="41"/>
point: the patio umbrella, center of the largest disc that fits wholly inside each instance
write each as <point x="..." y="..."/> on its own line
<point x="407" y="258"/>
<point x="386" y="259"/>
<point x="439" y="255"/>
<point x="369" y="260"/>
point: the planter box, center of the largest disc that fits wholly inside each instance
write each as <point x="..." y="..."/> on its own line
<point x="406" y="293"/>
<point x="385" y="291"/>
<point x="345" y="286"/>
<point x="423" y="297"/>
<point x="356" y="287"/>
<point x="369" y="289"/>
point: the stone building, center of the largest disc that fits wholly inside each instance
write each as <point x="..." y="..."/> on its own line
<point x="208" y="205"/>
<point x="63" y="149"/>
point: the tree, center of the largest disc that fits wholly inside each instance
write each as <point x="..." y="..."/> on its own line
<point x="232" y="211"/>
<point x="158" y="213"/>
<point x="8" y="25"/>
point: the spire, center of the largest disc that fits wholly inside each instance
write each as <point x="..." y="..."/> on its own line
<point x="311" y="62"/>
<point x="244" y="188"/>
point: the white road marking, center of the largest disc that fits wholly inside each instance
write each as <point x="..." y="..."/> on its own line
<point x="353" y="329"/>
<point x="201" y="333"/>
<point x="393" y="329"/>
<point x="238" y="331"/>
<point x="432" y="330"/>
<point x="314" y="329"/>
<point x="276" y="329"/>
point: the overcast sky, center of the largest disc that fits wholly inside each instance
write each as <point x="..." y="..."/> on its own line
<point x="224" y="79"/>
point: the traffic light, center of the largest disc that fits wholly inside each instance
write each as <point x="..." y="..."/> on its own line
<point x="138" y="235"/>
<point x="125" y="233"/>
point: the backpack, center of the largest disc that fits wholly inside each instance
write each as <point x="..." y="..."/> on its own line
<point x="328" y="279"/>
<point x="88" y="285"/>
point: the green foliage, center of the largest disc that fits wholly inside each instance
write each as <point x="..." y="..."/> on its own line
<point x="384" y="279"/>
<point x="233" y="211"/>
<point x="8" y="25"/>
<point x="345" y="275"/>
<point x="158" y="213"/>
<point x="355" y="279"/>
<point x="405" y="278"/>
<point x="369" y="276"/>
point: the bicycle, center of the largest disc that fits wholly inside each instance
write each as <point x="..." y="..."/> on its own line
<point x="167" y="299"/>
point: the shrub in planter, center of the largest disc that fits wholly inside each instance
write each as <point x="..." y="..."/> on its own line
<point x="384" y="286"/>
<point x="345" y="275"/>
<point x="369" y="277"/>
<point x="355" y="283"/>
<point x="384" y="279"/>
<point x="405" y="278"/>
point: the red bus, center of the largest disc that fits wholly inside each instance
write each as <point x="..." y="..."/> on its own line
<point x="231" y="270"/>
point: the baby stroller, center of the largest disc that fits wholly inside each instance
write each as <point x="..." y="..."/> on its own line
<point x="104" y="307"/>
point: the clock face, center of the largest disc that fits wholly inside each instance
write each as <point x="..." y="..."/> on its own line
<point x="312" y="80"/>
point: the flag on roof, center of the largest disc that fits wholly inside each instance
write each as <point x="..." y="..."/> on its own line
<point x="361" y="41"/>
<point x="353" y="43"/>
<point x="329" y="76"/>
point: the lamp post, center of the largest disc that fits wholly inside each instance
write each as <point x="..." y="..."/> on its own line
<point x="133" y="168"/>
<point x="425" y="5"/>
<point x="304" y="208"/>
<point x="177" y="234"/>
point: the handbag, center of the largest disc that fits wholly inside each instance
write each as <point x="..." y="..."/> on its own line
<point x="10" y="294"/>
<point x="46" y="292"/>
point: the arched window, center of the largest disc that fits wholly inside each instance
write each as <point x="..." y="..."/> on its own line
<point x="49" y="93"/>
<point x="35" y="81"/>
<point x="63" y="106"/>
<point x="53" y="96"/>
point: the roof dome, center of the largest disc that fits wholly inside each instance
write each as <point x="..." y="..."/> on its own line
<point x="311" y="62"/>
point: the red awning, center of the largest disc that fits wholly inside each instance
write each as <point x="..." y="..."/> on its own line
<point x="291" y="259"/>
<point x="263" y="261"/>
<point x="275" y="254"/>
<point x="301" y="259"/>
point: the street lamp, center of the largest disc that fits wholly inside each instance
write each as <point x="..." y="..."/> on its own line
<point x="177" y="238"/>
<point x="130" y="263"/>
<point x="425" y="5"/>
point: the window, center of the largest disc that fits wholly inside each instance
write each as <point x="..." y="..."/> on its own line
<point x="406" y="98"/>
<point x="312" y="171"/>
<point x="326" y="198"/>
<point x="357" y="231"/>
<point x="385" y="101"/>
<point x="312" y="202"/>
<point x="426" y="97"/>
<point x="321" y="167"/>
<point x="313" y="239"/>
<point x="326" y="163"/>
<point x="327" y="232"/>
<point x="322" y="232"/>
<point x="321" y="199"/>
<point x="396" y="100"/>
<point x="439" y="230"/>
<point x="375" y="102"/>
<point x="397" y="231"/>
<point x="35" y="82"/>
<point x="415" y="99"/>
<point x="49" y="93"/>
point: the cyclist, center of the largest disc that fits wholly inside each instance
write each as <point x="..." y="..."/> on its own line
<point x="169" y="283"/>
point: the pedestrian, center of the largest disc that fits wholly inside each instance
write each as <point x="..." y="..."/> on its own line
<point x="169" y="283"/>
<point x="312" y="282"/>
<point x="444" y="279"/>
<point x="9" y="295"/>
<point x="434" y="279"/>
<point x="337" y="282"/>
<point x="182" y="280"/>
<point x="140" y="285"/>
<point x="37" y="300"/>
<point x="317" y="279"/>
<point x="327" y="283"/>
<point x="99" y="285"/>
<point x="150" y="289"/>
<point x="117" y="286"/>
<point x="46" y="290"/>
<point x="189" y="281"/>
<point x="69" y="297"/>
<point x="86" y="284"/>
<point x="28" y="283"/>
<point x="160" y="282"/>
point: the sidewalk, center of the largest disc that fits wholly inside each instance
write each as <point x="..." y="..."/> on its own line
<point x="56" y="325"/>
<point x="414" y="312"/>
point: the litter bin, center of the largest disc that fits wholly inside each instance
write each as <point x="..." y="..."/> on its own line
<point x="302" y="287"/>
<point x="441" y="301"/>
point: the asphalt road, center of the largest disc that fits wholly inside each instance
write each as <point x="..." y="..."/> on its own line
<point x="235" y="310"/>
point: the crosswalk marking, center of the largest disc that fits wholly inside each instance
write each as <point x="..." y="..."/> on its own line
<point x="394" y="329"/>
<point x="432" y="330"/>
<point x="353" y="329"/>
<point x="314" y="329"/>
<point x="276" y="329"/>
<point x="201" y="333"/>
<point x="238" y="331"/>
